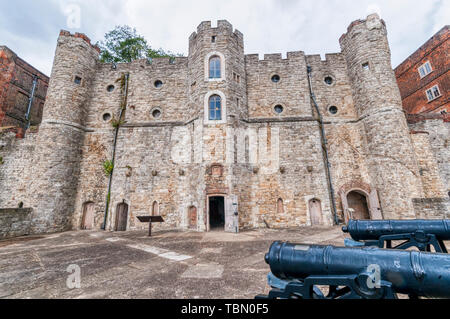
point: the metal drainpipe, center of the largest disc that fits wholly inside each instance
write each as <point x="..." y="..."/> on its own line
<point x="30" y="101"/>
<point x="324" y="147"/>
<point x="108" y="194"/>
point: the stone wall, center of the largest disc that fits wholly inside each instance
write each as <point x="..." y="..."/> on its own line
<point x="15" y="222"/>
<point x="432" y="208"/>
<point x="17" y="169"/>
<point x="273" y="163"/>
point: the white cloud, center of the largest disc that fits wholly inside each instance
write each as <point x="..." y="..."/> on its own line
<point x="269" y="26"/>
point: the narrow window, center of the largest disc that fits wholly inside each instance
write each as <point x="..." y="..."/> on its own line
<point x="214" y="68"/>
<point x="213" y="39"/>
<point x="215" y="108"/>
<point x="77" y="80"/>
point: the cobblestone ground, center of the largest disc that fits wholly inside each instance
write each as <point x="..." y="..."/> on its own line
<point x="132" y="265"/>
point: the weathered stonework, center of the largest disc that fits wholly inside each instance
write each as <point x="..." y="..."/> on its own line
<point x="172" y="160"/>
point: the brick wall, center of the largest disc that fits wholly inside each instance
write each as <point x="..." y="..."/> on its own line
<point x="413" y="87"/>
<point x="16" y="82"/>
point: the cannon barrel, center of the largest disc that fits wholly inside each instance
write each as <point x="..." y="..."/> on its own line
<point x="410" y="272"/>
<point x="373" y="229"/>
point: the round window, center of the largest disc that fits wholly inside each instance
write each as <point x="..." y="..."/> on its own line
<point x="333" y="110"/>
<point x="276" y="78"/>
<point x="106" y="117"/>
<point x="328" y="80"/>
<point x="156" y="113"/>
<point x="110" y="88"/>
<point x="278" y="109"/>
<point x="158" y="84"/>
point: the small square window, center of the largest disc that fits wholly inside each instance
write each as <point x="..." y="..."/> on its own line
<point x="365" y="66"/>
<point x="77" y="80"/>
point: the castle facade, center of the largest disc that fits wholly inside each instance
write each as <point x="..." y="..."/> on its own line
<point x="224" y="140"/>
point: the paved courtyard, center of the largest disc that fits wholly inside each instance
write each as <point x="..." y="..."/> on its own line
<point x="132" y="265"/>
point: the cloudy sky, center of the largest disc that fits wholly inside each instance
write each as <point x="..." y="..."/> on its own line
<point x="30" y="28"/>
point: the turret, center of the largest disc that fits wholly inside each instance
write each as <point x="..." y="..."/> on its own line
<point x="227" y="46"/>
<point x="62" y="131"/>
<point x="378" y="103"/>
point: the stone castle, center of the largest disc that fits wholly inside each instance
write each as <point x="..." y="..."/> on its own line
<point x="220" y="139"/>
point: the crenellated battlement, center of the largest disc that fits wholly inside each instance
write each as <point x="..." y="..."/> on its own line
<point x="331" y="59"/>
<point x="274" y="57"/>
<point x="79" y="36"/>
<point x="372" y="22"/>
<point x="223" y="28"/>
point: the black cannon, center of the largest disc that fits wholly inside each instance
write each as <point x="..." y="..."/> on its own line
<point x="414" y="233"/>
<point x="297" y="271"/>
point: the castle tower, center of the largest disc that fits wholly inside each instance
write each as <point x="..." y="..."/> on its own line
<point x="217" y="90"/>
<point x="62" y="131"/>
<point x="378" y="103"/>
<point x="225" y="46"/>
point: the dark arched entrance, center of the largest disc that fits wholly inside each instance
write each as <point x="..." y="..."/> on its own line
<point x="217" y="212"/>
<point x="358" y="202"/>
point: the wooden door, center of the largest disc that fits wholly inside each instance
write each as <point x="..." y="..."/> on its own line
<point x="88" y="216"/>
<point x="231" y="218"/>
<point x="192" y="217"/>
<point x="121" y="217"/>
<point x="315" y="212"/>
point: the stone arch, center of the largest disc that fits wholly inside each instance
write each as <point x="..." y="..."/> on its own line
<point x="222" y="66"/>
<point x="364" y="189"/>
<point x="357" y="202"/>
<point x="88" y="216"/>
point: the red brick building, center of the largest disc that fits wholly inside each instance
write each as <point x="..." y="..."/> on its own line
<point x="17" y="79"/>
<point x="424" y="79"/>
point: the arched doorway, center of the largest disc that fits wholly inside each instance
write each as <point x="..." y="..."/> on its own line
<point x="155" y="209"/>
<point x="192" y="217"/>
<point x="216" y="212"/>
<point x="121" y="217"/>
<point x="88" y="216"/>
<point x="315" y="212"/>
<point x="358" y="203"/>
<point x="280" y="206"/>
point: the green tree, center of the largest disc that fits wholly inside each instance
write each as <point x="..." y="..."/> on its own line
<point x="124" y="44"/>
